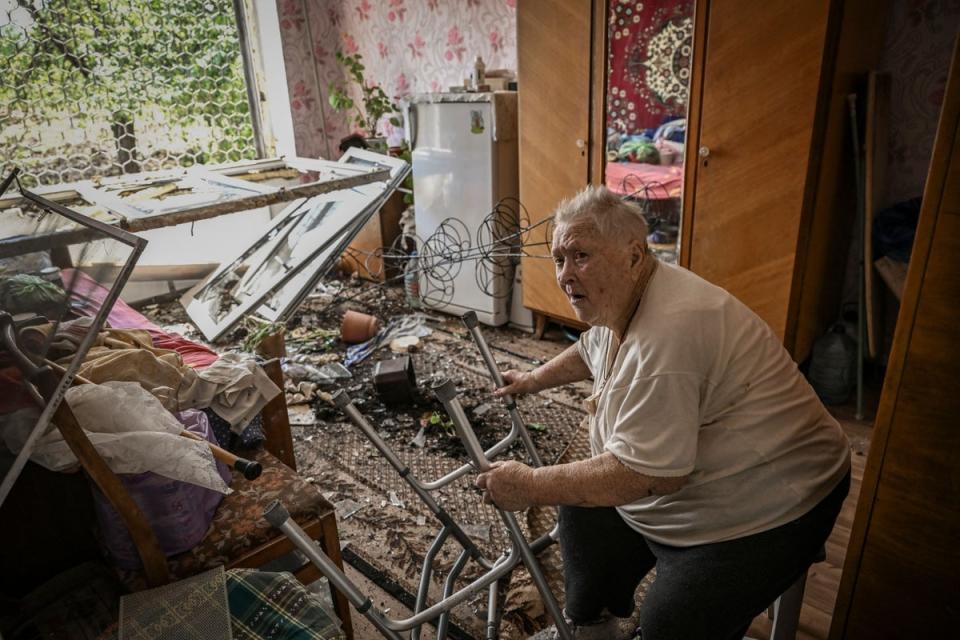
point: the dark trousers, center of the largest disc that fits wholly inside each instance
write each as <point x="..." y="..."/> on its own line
<point x="709" y="591"/>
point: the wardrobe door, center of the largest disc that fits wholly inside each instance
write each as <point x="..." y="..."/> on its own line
<point x="750" y="157"/>
<point x="553" y="60"/>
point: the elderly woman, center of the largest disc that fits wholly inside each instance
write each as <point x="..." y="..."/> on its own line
<point x="712" y="458"/>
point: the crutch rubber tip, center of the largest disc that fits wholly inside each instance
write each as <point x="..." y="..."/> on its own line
<point x="276" y="514"/>
<point x="251" y="470"/>
<point x="470" y="319"/>
<point x="341" y="399"/>
<point x="445" y="390"/>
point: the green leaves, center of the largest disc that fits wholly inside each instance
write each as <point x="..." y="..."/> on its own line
<point x="436" y="420"/>
<point x="175" y="63"/>
<point x="376" y="103"/>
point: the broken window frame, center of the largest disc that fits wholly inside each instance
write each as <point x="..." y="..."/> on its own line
<point x="282" y="302"/>
<point x="399" y="168"/>
<point x="351" y="209"/>
<point x="333" y="176"/>
<point x="105" y="193"/>
<point x="38" y="232"/>
<point x="89" y="228"/>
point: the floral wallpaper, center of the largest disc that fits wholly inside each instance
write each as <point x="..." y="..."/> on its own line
<point x="408" y="46"/>
<point x="916" y="54"/>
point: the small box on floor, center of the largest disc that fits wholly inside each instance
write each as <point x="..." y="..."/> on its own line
<point x="395" y="381"/>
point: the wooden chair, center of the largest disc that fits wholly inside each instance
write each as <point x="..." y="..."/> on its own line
<point x="238" y="536"/>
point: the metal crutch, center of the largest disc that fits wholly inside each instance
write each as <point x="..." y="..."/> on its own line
<point x="473" y="326"/>
<point x="343" y="402"/>
<point x="496" y="571"/>
<point x="446" y="392"/>
<point x="278" y="516"/>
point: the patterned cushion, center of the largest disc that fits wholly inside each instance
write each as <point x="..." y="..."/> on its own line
<point x="238" y="526"/>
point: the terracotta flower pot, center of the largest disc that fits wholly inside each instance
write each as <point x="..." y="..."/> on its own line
<point x="358" y="327"/>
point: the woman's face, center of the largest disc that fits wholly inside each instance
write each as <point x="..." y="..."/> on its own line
<point x="596" y="275"/>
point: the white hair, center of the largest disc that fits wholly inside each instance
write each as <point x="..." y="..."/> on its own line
<point x="613" y="216"/>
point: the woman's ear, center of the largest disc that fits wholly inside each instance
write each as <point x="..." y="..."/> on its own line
<point x="637" y="251"/>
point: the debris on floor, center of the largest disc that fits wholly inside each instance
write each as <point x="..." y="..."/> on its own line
<point x="381" y="521"/>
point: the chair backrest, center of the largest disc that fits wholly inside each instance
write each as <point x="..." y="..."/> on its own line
<point x="276" y="420"/>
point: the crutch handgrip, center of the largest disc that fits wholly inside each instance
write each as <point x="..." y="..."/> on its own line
<point x="276" y="514"/>
<point x="446" y="392"/>
<point x="470" y="319"/>
<point x="340" y="399"/>
<point x="249" y="469"/>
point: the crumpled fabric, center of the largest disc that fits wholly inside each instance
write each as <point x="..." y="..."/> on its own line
<point x="234" y="386"/>
<point x="162" y="375"/>
<point x="59" y="339"/>
<point x="178" y="512"/>
<point x="66" y="336"/>
<point x="87" y="296"/>
<point x="132" y="432"/>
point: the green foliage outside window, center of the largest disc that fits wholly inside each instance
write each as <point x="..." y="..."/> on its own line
<point x="83" y="79"/>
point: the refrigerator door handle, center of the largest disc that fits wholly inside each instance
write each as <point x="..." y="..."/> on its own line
<point x="410" y="115"/>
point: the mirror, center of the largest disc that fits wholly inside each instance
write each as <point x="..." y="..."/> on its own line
<point x="649" y="55"/>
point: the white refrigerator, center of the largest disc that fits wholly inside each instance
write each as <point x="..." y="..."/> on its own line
<point x="464" y="148"/>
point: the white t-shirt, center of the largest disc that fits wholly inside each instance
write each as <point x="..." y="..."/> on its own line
<point x="702" y="386"/>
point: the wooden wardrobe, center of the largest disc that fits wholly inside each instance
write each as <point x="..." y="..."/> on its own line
<point x="767" y="204"/>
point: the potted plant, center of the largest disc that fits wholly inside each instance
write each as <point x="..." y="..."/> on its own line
<point x="375" y="101"/>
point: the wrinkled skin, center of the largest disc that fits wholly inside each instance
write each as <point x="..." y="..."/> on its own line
<point x="597" y="274"/>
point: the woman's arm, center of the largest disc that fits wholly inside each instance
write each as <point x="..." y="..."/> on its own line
<point x="601" y="481"/>
<point x="562" y="369"/>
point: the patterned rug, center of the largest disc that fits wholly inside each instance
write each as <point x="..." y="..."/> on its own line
<point x="389" y="529"/>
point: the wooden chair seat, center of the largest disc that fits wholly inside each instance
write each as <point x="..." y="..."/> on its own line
<point x="239" y="537"/>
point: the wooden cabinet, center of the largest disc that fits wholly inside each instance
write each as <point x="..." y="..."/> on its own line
<point x="902" y="566"/>
<point x="767" y="205"/>
<point x="749" y="157"/>
<point x="770" y="199"/>
<point x="554" y="66"/>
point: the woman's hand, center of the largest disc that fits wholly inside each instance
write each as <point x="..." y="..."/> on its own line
<point x="517" y="383"/>
<point x="508" y="484"/>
